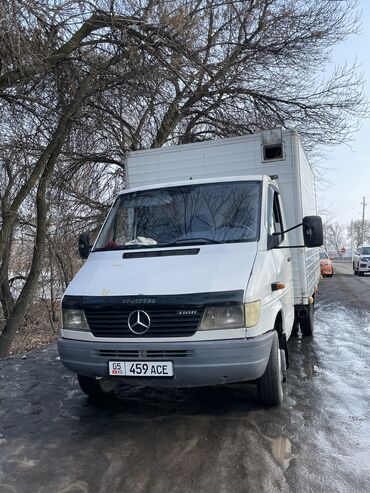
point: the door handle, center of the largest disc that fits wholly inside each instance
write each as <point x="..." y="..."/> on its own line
<point x="289" y="259"/>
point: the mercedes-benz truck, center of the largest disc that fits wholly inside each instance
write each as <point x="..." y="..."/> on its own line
<point x="205" y="266"/>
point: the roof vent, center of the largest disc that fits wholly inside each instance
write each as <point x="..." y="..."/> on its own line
<point x="272" y="152"/>
<point x="272" y="144"/>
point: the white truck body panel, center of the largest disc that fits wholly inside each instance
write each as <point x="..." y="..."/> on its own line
<point x="240" y="156"/>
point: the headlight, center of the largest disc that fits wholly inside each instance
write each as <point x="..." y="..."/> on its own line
<point x="222" y="317"/>
<point x="231" y="317"/>
<point x="74" y="319"/>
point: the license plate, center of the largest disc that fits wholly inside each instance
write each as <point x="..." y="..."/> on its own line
<point x="141" y="368"/>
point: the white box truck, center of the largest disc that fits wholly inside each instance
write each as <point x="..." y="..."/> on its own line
<point x="205" y="266"/>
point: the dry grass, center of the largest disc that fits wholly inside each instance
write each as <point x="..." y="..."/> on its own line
<point x="37" y="330"/>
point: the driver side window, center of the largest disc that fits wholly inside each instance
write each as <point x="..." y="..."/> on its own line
<point x="274" y="216"/>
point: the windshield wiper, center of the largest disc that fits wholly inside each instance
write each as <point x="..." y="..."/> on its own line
<point x="190" y="240"/>
<point x="134" y="244"/>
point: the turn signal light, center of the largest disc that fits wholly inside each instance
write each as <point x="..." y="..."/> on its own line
<point x="275" y="286"/>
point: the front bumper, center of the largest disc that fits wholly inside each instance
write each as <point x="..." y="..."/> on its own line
<point x="363" y="267"/>
<point x="195" y="364"/>
<point x="326" y="270"/>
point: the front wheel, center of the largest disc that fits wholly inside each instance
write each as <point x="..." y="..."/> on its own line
<point x="361" y="274"/>
<point x="96" y="388"/>
<point x="270" y="385"/>
<point x="307" y="321"/>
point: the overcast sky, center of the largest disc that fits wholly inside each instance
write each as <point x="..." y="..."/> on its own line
<point x="349" y="166"/>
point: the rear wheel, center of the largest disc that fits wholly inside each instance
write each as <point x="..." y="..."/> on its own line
<point x="307" y="321"/>
<point x="270" y="385"/>
<point x="96" y="388"/>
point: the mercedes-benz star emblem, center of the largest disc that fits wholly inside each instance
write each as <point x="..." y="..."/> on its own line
<point x="138" y="322"/>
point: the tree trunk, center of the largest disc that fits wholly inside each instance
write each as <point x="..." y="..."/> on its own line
<point x="49" y="156"/>
<point x="22" y="304"/>
<point x="168" y="124"/>
<point x="6" y="297"/>
<point x="52" y="297"/>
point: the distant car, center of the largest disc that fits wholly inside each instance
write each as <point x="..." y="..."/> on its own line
<point x="361" y="261"/>
<point x="326" y="265"/>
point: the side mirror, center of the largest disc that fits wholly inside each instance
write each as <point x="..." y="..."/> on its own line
<point x="84" y="246"/>
<point x="312" y="231"/>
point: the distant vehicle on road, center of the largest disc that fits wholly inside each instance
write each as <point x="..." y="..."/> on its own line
<point x="361" y="261"/>
<point x="326" y="264"/>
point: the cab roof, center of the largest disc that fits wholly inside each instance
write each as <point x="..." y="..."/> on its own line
<point x="199" y="181"/>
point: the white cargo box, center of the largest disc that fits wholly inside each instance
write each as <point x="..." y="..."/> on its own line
<point x="238" y="156"/>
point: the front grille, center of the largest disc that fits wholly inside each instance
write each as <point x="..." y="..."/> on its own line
<point x="164" y="322"/>
<point x="144" y="353"/>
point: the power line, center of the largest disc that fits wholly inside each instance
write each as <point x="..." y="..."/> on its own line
<point x="363" y="219"/>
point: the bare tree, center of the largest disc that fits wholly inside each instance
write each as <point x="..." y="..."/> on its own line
<point x="357" y="232"/>
<point x="71" y="84"/>
<point x="82" y="83"/>
<point x="334" y="237"/>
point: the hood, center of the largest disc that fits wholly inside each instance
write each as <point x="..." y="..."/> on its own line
<point x="214" y="268"/>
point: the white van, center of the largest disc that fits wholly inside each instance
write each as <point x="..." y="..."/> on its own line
<point x="201" y="271"/>
<point x="361" y="260"/>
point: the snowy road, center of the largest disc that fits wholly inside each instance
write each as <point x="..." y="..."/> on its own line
<point x="52" y="439"/>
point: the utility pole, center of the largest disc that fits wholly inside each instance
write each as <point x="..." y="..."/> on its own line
<point x="352" y="239"/>
<point x="363" y="219"/>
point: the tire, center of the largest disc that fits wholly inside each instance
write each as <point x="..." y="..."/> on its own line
<point x="361" y="274"/>
<point x="307" y="323"/>
<point x="96" y="388"/>
<point x="270" y="385"/>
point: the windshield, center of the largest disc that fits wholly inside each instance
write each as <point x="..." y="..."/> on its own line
<point x="189" y="214"/>
<point x="365" y="251"/>
<point x="323" y="255"/>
